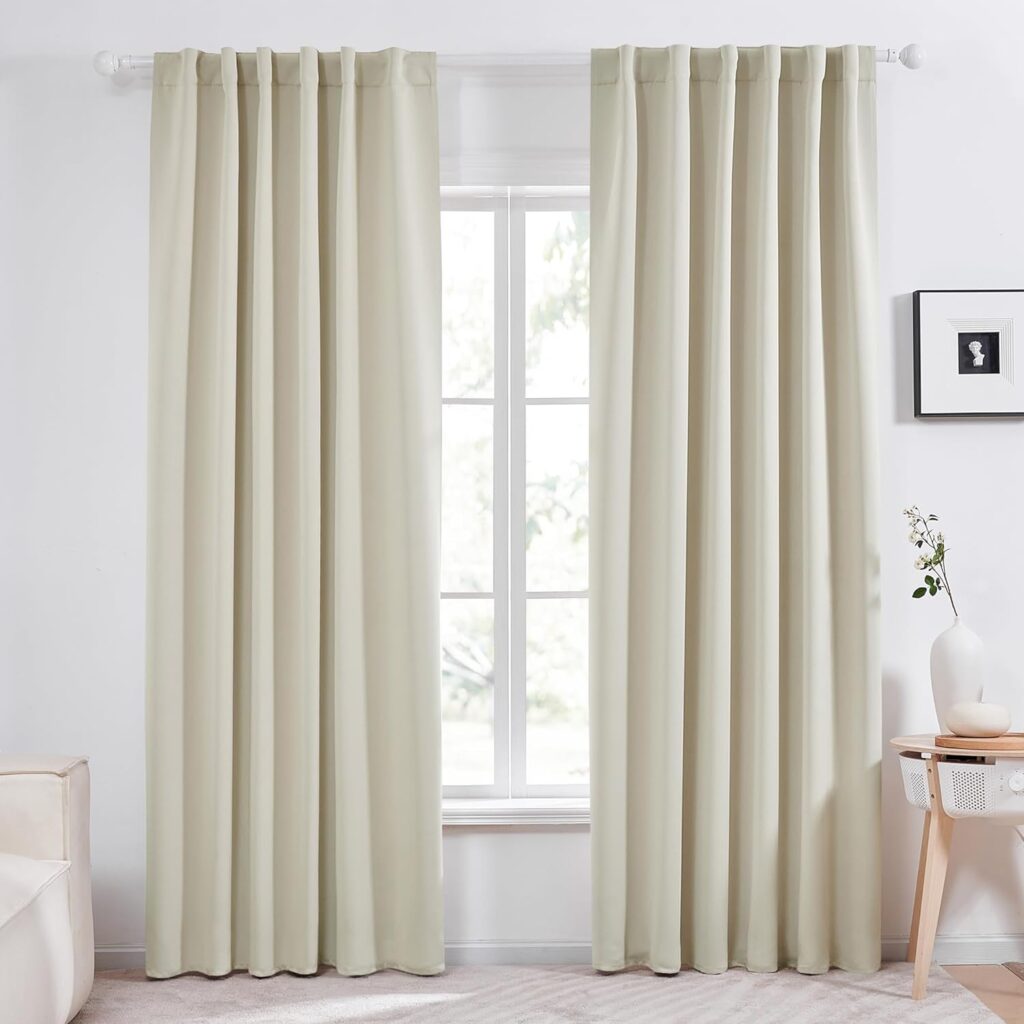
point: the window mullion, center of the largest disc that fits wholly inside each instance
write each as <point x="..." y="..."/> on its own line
<point x="502" y="735"/>
<point x="517" y="492"/>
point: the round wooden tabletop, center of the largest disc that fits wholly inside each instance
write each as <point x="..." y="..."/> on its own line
<point x="925" y="744"/>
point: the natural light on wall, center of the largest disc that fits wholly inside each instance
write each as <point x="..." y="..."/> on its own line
<point x="515" y="503"/>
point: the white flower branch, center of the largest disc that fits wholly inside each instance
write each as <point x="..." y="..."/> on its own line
<point x="933" y="557"/>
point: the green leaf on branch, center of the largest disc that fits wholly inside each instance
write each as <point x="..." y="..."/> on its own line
<point x="920" y="592"/>
<point x="929" y="580"/>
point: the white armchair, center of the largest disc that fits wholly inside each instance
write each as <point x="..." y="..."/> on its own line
<point x="46" y="937"/>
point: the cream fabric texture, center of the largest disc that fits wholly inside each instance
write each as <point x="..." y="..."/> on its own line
<point x="46" y="932"/>
<point x="293" y="706"/>
<point x="734" y="565"/>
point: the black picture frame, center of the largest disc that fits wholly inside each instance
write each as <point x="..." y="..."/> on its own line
<point x="918" y="414"/>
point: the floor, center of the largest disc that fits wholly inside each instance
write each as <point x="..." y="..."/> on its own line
<point x="1000" y="988"/>
<point x="557" y="995"/>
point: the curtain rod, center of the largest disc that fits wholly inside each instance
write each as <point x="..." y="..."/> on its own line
<point x="107" y="63"/>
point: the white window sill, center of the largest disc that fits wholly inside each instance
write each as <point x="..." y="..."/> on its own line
<point x="531" y="811"/>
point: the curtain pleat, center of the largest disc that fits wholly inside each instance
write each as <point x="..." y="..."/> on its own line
<point x="734" y="663"/>
<point x="756" y="613"/>
<point x="293" y="711"/>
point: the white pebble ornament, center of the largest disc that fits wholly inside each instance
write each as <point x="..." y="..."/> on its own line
<point x="978" y="719"/>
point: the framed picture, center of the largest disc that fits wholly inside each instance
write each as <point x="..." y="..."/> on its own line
<point x="967" y="351"/>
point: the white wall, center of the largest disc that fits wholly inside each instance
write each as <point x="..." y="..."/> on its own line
<point x="73" y="225"/>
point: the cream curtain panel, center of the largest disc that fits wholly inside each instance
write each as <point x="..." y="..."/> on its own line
<point x="734" y="653"/>
<point x="293" y="705"/>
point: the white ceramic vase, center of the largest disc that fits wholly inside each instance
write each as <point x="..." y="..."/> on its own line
<point x="957" y="666"/>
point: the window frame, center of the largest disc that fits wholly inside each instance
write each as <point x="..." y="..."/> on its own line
<point x="509" y="207"/>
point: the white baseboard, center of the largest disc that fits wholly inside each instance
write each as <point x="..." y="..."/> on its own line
<point x="481" y="953"/>
<point x="120" y="958"/>
<point x="965" y="949"/>
<point x="949" y="949"/>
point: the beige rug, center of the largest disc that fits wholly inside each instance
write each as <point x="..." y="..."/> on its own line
<point x="533" y="995"/>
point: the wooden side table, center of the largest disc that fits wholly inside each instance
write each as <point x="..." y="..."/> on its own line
<point x="934" y="859"/>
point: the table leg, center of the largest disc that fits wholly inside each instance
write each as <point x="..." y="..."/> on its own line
<point x="931" y="880"/>
<point x="915" y="920"/>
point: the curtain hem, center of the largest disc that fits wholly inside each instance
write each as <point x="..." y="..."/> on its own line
<point x="842" y="964"/>
<point x="347" y="972"/>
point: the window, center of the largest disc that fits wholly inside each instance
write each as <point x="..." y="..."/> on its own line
<point x="514" y="518"/>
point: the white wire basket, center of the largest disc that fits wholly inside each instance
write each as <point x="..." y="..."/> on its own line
<point x="915" y="779"/>
<point x="970" y="789"/>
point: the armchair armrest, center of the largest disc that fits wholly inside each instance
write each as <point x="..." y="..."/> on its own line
<point x="44" y="814"/>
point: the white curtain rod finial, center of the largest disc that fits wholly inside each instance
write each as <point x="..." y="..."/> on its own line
<point x="912" y="56"/>
<point x="106" y="63"/>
